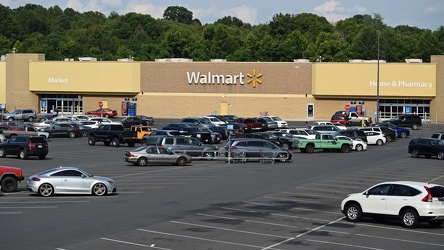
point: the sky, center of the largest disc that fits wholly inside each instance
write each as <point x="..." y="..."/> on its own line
<point x="424" y="14"/>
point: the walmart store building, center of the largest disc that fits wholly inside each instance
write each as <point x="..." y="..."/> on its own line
<point x="179" y="88"/>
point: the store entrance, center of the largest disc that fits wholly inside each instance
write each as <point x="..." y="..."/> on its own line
<point x="390" y="108"/>
<point x="64" y="103"/>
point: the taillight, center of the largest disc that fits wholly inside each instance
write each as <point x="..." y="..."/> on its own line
<point x="35" y="179"/>
<point x="428" y="197"/>
<point x="32" y="144"/>
<point x="130" y="155"/>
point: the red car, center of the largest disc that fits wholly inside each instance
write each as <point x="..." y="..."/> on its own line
<point x="9" y="176"/>
<point x="103" y="112"/>
<point x="342" y="119"/>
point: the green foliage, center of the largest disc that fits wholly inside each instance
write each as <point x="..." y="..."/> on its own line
<point x="67" y="33"/>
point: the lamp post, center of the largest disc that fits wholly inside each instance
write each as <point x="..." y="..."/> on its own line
<point x="377" y="86"/>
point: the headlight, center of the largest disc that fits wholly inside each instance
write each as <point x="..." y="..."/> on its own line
<point x="111" y="182"/>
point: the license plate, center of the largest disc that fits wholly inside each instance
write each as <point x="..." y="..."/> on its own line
<point x="40" y="146"/>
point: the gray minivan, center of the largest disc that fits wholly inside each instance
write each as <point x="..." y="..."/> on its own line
<point x="188" y="145"/>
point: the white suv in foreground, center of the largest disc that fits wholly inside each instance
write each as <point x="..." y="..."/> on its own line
<point x="410" y="202"/>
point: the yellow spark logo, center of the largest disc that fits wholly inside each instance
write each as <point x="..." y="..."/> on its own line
<point x="254" y="78"/>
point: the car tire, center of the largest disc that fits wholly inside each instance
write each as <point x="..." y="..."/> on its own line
<point x="181" y="161"/>
<point x="142" y="161"/>
<point x="23" y="155"/>
<point x="359" y="147"/>
<point x="379" y="142"/>
<point x="30" y="119"/>
<point x="115" y="142"/>
<point x="106" y="116"/>
<point x="440" y="155"/>
<point x="2" y="153"/>
<point x="46" y="190"/>
<point x="389" y="138"/>
<point x="435" y="223"/>
<point x="92" y="141"/>
<point x="99" y="189"/>
<point x="415" y="126"/>
<point x="309" y="149"/>
<point x="409" y="218"/>
<point x="353" y="212"/>
<point x="415" y="153"/>
<point x="9" y="184"/>
<point x="10" y="119"/>
<point x="403" y="135"/>
<point x="71" y="134"/>
<point x="84" y="133"/>
<point x="345" y="149"/>
<point x="42" y="157"/>
<point x="285" y="145"/>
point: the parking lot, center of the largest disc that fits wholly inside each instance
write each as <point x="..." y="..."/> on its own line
<point x="215" y="205"/>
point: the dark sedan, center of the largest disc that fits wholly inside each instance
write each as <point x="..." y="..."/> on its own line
<point x="137" y="120"/>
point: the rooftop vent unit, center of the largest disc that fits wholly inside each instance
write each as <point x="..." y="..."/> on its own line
<point x="218" y="60"/>
<point x="301" y="60"/>
<point x="87" y="59"/>
<point x="174" y="60"/>
<point x="413" y="60"/>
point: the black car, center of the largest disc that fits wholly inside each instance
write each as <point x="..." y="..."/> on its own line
<point x="63" y="129"/>
<point x="177" y="126"/>
<point x="25" y="146"/>
<point x="137" y="120"/>
<point x="411" y="121"/>
<point x="353" y="133"/>
<point x="201" y="135"/>
<point x="427" y="147"/>
<point x="46" y="117"/>
<point x="222" y="130"/>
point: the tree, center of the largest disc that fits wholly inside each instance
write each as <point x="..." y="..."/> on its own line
<point x="178" y="14"/>
<point x="296" y="45"/>
<point x="230" y="21"/>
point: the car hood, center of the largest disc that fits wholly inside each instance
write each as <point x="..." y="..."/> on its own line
<point x="6" y="168"/>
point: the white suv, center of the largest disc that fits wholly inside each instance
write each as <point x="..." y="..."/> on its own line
<point x="281" y="123"/>
<point x="410" y="202"/>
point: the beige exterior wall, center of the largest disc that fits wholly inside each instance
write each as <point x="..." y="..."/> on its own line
<point x="437" y="104"/>
<point x="179" y="89"/>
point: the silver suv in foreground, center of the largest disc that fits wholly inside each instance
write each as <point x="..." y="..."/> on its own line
<point x="20" y="114"/>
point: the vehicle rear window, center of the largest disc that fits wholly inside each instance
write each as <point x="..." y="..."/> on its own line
<point x="38" y="140"/>
<point x="437" y="191"/>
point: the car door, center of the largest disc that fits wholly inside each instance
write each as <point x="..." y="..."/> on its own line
<point x="75" y="182"/>
<point x="13" y="146"/>
<point x="398" y="198"/>
<point x="375" y="199"/>
<point x="166" y="156"/>
<point x="328" y="141"/>
<point x="193" y="146"/>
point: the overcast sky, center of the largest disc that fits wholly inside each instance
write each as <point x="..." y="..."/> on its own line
<point x="425" y="14"/>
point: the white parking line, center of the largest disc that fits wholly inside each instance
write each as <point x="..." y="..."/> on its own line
<point x="28" y="207"/>
<point x="135" y="244"/>
<point x="10" y="212"/>
<point x="37" y="202"/>
<point x="204" y="239"/>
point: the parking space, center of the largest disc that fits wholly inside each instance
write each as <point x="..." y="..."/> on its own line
<point x="215" y="205"/>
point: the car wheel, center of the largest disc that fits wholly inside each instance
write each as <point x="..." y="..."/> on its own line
<point x="389" y="138"/>
<point x="208" y="154"/>
<point x="72" y="134"/>
<point x="106" y="116"/>
<point x="309" y="149"/>
<point x="403" y="135"/>
<point x="283" y="157"/>
<point x="23" y="155"/>
<point x="379" y="142"/>
<point x="46" y="190"/>
<point x="142" y="161"/>
<point x="345" y="149"/>
<point x="285" y="145"/>
<point x="99" y="189"/>
<point x="115" y="142"/>
<point x="435" y="223"/>
<point x="409" y="218"/>
<point x="131" y="144"/>
<point x="10" y="119"/>
<point x="181" y="161"/>
<point x="359" y="147"/>
<point x="92" y="141"/>
<point x="353" y="212"/>
<point x="84" y="133"/>
<point x="9" y="184"/>
<point x="440" y="155"/>
<point x="415" y="126"/>
<point x="415" y="153"/>
<point x="42" y="157"/>
<point x="2" y="153"/>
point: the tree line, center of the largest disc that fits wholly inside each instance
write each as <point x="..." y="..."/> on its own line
<point x="60" y="34"/>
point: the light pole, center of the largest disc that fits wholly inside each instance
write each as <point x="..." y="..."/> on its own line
<point x="377" y="86"/>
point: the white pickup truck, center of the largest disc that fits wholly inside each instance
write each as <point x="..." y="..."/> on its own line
<point x="354" y="118"/>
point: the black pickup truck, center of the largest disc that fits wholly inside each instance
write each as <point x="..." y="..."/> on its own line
<point x="112" y="134"/>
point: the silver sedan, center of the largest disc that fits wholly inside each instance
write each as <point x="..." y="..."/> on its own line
<point x="153" y="154"/>
<point x="69" y="180"/>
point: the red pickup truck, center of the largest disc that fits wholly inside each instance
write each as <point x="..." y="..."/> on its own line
<point x="9" y="178"/>
<point x="253" y="125"/>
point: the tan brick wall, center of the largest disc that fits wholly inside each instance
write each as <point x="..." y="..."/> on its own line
<point x="437" y="104"/>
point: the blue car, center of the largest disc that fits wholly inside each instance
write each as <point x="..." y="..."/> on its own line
<point x="400" y="131"/>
